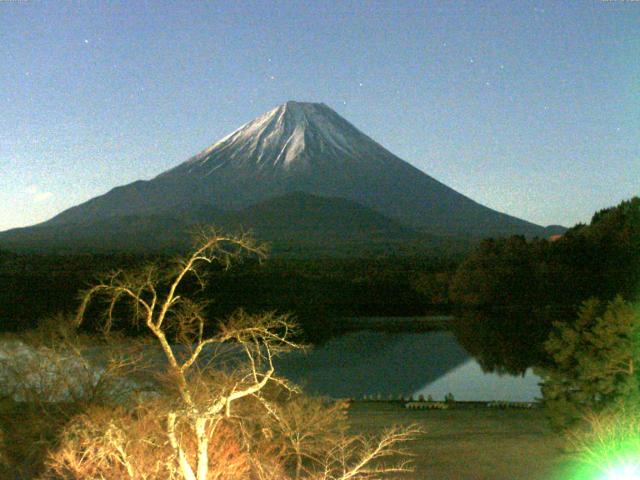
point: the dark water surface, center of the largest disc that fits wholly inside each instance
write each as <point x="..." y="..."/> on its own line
<point x="382" y="364"/>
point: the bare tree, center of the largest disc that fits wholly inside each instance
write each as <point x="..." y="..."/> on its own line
<point x="355" y="457"/>
<point x="213" y="378"/>
<point x="260" y="338"/>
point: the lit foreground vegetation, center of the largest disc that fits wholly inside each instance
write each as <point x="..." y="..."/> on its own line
<point x="220" y="411"/>
<point x="592" y="390"/>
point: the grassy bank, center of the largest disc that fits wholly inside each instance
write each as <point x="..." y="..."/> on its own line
<point x="472" y="443"/>
<point x="463" y="443"/>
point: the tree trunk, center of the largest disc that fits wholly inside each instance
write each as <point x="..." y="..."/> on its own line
<point x="203" y="448"/>
<point x="185" y="468"/>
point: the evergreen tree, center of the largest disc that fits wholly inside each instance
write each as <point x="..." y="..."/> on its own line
<point x="595" y="361"/>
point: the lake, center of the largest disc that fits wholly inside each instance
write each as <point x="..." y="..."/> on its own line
<point x="389" y="364"/>
<point x="369" y="364"/>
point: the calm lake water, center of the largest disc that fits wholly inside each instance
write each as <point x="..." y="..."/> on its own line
<point x="371" y="363"/>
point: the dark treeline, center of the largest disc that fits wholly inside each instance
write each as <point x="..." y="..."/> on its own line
<point x="33" y="287"/>
<point x="516" y="288"/>
<point x="315" y="292"/>
<point x="508" y="291"/>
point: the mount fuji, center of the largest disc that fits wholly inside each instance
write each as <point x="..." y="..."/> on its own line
<point x="296" y="155"/>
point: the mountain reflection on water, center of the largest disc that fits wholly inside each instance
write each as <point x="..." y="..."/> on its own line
<point x="373" y="363"/>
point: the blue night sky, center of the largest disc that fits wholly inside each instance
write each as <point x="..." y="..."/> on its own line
<point x="531" y="108"/>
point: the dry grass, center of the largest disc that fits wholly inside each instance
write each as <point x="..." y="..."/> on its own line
<point x="472" y="443"/>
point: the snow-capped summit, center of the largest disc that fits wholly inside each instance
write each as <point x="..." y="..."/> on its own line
<point x="307" y="148"/>
<point x="291" y="136"/>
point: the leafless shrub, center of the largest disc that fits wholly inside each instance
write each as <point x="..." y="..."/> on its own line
<point x="47" y="377"/>
<point x="222" y="411"/>
<point x="358" y="457"/>
<point x="119" y="444"/>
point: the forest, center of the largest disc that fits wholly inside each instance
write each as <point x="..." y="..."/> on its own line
<point x="315" y="291"/>
<point x="506" y="293"/>
<point x="510" y="291"/>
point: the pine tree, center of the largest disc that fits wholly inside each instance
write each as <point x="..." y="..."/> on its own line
<point x="594" y="361"/>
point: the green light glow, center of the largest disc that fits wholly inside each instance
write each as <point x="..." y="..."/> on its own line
<point x="609" y="450"/>
<point x="628" y="469"/>
<point x="624" y="472"/>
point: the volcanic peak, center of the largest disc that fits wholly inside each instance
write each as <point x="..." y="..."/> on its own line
<point x="287" y="137"/>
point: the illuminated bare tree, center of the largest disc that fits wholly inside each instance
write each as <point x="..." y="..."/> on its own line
<point x="163" y="311"/>
<point x="212" y="377"/>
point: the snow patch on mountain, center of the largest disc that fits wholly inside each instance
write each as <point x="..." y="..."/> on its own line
<point x="288" y="136"/>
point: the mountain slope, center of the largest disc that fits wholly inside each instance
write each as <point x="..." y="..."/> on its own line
<point x="296" y="223"/>
<point x="303" y="217"/>
<point x="308" y="147"/>
<point x="297" y="147"/>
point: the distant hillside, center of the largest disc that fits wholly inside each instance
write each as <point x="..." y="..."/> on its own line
<point x="300" y="216"/>
<point x="298" y="224"/>
<point x="131" y="233"/>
